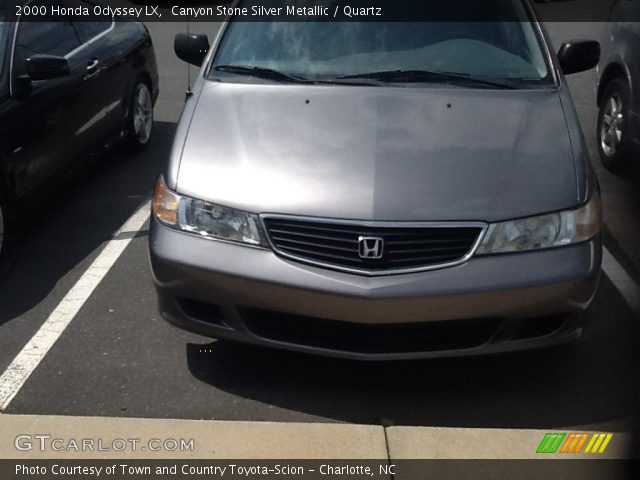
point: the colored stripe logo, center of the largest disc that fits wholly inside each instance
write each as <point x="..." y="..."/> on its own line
<point x="595" y="443"/>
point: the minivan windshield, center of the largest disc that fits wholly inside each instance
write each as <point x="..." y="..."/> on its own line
<point x="329" y="50"/>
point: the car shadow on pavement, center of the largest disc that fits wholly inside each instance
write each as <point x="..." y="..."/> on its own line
<point x="58" y="234"/>
<point x="592" y="381"/>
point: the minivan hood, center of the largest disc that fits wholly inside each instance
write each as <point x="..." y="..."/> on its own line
<point x="377" y="153"/>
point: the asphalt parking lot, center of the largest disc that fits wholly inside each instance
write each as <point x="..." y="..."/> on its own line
<point x="118" y="358"/>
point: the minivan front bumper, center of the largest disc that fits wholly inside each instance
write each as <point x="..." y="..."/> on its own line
<point x="487" y="305"/>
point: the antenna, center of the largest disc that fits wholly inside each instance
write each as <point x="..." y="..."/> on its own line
<point x="188" y="93"/>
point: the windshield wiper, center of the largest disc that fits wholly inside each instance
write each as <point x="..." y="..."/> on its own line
<point x="420" y="76"/>
<point x="272" y="74"/>
<point x="261" y="72"/>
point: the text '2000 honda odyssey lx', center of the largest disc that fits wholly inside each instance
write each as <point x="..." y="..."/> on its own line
<point x="380" y="190"/>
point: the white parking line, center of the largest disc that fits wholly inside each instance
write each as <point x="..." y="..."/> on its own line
<point x="15" y="376"/>
<point x="627" y="287"/>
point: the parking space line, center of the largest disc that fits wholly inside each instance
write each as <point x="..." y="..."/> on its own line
<point x="23" y="365"/>
<point x="623" y="282"/>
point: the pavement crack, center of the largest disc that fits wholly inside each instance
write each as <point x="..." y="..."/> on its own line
<point x="386" y="423"/>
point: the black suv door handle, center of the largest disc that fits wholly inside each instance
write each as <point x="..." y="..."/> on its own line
<point x="93" y="64"/>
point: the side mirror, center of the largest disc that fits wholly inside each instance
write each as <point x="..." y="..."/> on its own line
<point x="192" y="47"/>
<point x="579" y="55"/>
<point x="46" y="67"/>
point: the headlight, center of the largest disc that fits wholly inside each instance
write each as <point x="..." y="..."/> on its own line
<point x="204" y="218"/>
<point x="545" y="231"/>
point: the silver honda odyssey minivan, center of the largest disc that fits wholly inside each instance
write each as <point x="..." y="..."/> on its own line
<point x="380" y="190"/>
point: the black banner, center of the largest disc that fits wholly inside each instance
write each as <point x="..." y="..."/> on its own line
<point x="317" y="469"/>
<point x="325" y="10"/>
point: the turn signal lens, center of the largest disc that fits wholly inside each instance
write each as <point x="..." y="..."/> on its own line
<point x="165" y="203"/>
<point x="589" y="219"/>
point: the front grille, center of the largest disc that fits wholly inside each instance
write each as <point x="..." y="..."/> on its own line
<point x="370" y="339"/>
<point x="336" y="244"/>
